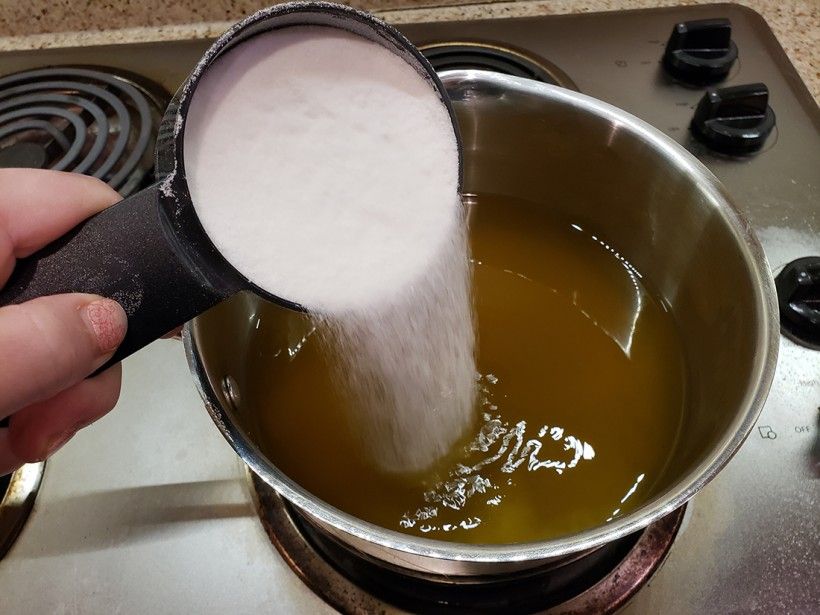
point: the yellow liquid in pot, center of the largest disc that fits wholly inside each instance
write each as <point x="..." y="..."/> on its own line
<point x="581" y="395"/>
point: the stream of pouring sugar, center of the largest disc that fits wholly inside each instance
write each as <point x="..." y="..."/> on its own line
<point x="409" y="364"/>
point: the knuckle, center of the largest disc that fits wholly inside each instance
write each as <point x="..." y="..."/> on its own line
<point x="51" y="325"/>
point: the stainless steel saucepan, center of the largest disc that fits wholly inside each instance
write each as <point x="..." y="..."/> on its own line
<point x="666" y="213"/>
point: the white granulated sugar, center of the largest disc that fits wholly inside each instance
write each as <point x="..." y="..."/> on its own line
<point x="322" y="166"/>
<point x="409" y="365"/>
<point x="325" y="169"/>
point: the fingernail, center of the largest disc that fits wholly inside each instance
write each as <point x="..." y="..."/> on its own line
<point x="56" y="442"/>
<point x="108" y="323"/>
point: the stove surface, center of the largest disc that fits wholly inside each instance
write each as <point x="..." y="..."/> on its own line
<point x="149" y="510"/>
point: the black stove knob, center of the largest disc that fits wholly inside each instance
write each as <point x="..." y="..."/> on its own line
<point x="700" y="51"/>
<point x="734" y="120"/>
<point x="798" y="294"/>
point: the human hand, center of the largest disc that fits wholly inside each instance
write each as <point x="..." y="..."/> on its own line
<point x="48" y="346"/>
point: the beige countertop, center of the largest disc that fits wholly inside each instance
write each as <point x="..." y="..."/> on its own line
<point x="64" y="23"/>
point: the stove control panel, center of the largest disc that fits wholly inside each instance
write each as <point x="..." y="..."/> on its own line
<point x="734" y="120"/>
<point x="700" y="51"/>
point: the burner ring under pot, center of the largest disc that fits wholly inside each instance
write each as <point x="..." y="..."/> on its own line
<point x="471" y="55"/>
<point x="601" y="581"/>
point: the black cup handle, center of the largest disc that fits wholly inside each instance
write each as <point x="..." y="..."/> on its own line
<point x="126" y="253"/>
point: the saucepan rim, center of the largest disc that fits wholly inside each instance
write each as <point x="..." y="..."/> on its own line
<point x="766" y="339"/>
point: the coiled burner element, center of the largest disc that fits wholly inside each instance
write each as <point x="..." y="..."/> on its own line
<point x="97" y="121"/>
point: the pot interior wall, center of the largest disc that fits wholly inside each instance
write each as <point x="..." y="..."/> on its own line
<point x="616" y="185"/>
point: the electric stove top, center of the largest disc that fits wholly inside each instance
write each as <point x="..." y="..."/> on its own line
<point x="149" y="510"/>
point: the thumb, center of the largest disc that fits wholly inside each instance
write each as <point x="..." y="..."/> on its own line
<point x="50" y="343"/>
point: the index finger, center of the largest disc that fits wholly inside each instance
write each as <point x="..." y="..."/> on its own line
<point x="37" y="206"/>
